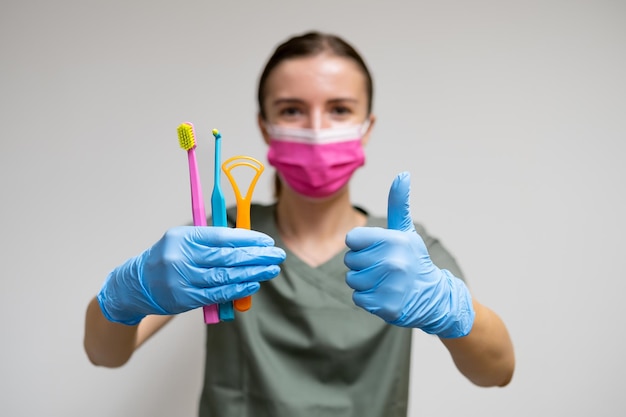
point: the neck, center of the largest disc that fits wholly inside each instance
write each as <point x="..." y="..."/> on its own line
<point x="316" y="229"/>
<point x="300" y="217"/>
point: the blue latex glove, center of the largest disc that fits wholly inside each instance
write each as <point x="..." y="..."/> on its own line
<point x="393" y="277"/>
<point x="187" y="268"/>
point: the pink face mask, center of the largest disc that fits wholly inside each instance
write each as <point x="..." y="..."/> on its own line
<point x="316" y="163"/>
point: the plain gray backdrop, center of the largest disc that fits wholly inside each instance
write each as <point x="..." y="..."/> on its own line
<point x="510" y="116"/>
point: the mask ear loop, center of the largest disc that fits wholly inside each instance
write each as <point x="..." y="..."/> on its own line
<point x="366" y="125"/>
<point x="243" y="203"/>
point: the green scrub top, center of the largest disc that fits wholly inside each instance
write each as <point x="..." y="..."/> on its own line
<point x="305" y="349"/>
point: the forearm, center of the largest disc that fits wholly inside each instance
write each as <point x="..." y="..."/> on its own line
<point x="112" y="344"/>
<point x="107" y="343"/>
<point x="485" y="356"/>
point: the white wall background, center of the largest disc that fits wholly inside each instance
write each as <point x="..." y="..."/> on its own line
<point x="511" y="116"/>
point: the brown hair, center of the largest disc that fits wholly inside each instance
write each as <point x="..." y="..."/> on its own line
<point x="309" y="44"/>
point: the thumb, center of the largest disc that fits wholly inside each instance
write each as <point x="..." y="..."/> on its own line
<point x="398" y="208"/>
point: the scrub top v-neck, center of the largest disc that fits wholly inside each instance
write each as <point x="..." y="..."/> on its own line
<point x="304" y="348"/>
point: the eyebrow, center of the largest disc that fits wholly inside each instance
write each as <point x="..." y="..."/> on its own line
<point x="343" y="100"/>
<point x="299" y="101"/>
<point x="287" y="101"/>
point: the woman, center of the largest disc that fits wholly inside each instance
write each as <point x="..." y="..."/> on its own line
<point x="309" y="345"/>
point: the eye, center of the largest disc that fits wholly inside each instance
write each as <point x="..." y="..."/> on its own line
<point x="341" y="110"/>
<point x="290" y="111"/>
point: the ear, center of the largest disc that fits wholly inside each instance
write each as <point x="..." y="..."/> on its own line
<point x="366" y="136"/>
<point x="261" y="124"/>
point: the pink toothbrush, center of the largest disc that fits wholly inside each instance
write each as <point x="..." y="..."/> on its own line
<point x="187" y="140"/>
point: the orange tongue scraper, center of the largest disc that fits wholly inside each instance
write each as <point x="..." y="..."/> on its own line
<point x="243" y="203"/>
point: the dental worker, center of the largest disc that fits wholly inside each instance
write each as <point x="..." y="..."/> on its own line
<point x="337" y="290"/>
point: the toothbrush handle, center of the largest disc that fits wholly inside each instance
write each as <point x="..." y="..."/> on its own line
<point x="210" y="313"/>
<point x="226" y="311"/>
<point x="197" y="203"/>
<point x="218" y="208"/>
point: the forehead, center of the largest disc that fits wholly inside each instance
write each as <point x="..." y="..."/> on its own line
<point x="319" y="75"/>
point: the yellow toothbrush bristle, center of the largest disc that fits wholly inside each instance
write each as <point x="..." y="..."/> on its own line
<point x="186" y="137"/>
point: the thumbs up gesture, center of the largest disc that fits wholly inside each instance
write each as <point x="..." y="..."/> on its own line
<point x="394" y="278"/>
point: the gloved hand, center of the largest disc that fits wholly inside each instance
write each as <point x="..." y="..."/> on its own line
<point x="187" y="268"/>
<point x="393" y="276"/>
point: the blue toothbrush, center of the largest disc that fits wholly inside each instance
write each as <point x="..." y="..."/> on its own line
<point x="218" y="209"/>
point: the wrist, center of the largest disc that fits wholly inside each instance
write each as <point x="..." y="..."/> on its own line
<point x="114" y="313"/>
<point x="461" y="312"/>
<point x="117" y="296"/>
